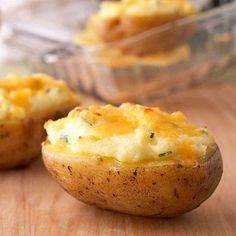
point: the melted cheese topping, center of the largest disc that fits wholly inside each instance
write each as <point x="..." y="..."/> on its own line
<point x="129" y="133"/>
<point x="141" y="13"/>
<point x="32" y="95"/>
<point x="116" y="58"/>
<point x="145" y="8"/>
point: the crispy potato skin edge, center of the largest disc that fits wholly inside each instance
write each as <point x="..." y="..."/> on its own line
<point x="20" y="142"/>
<point x="160" y="191"/>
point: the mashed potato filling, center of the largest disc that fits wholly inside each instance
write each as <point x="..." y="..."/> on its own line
<point x="129" y="133"/>
<point x="24" y="95"/>
<point x="145" y="13"/>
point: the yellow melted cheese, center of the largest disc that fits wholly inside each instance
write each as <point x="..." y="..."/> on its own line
<point x="142" y="12"/>
<point x="116" y="58"/>
<point x="145" y="8"/>
<point x="22" y="96"/>
<point x="129" y="133"/>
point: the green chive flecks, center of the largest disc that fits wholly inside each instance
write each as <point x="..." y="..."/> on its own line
<point x="65" y="138"/>
<point x="152" y="135"/>
<point x="204" y="132"/>
<point x="164" y="154"/>
<point x="48" y="90"/>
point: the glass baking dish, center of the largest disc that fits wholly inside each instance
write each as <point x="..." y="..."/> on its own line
<point x="208" y="51"/>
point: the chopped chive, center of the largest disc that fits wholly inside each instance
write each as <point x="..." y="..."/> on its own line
<point x="204" y="132"/>
<point x="48" y="90"/>
<point x="86" y="121"/>
<point x="164" y="154"/>
<point x="152" y="135"/>
<point x="65" y="138"/>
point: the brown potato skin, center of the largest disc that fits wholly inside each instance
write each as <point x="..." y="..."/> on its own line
<point x="20" y="140"/>
<point x="116" y="30"/>
<point x="146" y="190"/>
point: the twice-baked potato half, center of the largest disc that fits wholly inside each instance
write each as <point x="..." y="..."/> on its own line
<point x="133" y="159"/>
<point x="26" y="102"/>
<point x="116" y="21"/>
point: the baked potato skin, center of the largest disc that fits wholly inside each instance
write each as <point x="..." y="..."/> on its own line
<point x="164" y="40"/>
<point x="20" y="140"/>
<point x="146" y="190"/>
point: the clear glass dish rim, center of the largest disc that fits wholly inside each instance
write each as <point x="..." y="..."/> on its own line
<point x="225" y="12"/>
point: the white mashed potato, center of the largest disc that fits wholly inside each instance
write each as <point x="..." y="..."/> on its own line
<point x="32" y="95"/>
<point x="129" y="133"/>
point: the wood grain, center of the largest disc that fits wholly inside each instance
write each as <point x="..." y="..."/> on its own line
<point x="33" y="204"/>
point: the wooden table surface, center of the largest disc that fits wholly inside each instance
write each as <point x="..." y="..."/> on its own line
<point x="32" y="203"/>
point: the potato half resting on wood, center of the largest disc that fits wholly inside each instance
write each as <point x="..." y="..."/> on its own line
<point x="133" y="159"/>
<point x="26" y="102"/>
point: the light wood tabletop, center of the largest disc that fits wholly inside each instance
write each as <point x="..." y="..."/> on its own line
<point x="32" y="203"/>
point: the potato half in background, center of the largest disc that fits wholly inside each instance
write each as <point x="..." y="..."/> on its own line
<point x="26" y="102"/>
<point x="133" y="159"/>
<point x="122" y="20"/>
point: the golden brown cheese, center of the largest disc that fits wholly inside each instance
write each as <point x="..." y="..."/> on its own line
<point x="129" y="133"/>
<point x="142" y="15"/>
<point x="117" y="58"/>
<point x="27" y="95"/>
<point x="110" y="9"/>
<point x="120" y="20"/>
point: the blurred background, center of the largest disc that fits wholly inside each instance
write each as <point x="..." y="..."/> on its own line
<point x="159" y="54"/>
<point x="179" y="55"/>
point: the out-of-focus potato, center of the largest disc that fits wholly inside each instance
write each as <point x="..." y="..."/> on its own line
<point x="26" y="102"/>
<point x="116" y="21"/>
<point x="133" y="159"/>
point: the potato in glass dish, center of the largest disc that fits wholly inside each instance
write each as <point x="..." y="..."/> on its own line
<point x="119" y="22"/>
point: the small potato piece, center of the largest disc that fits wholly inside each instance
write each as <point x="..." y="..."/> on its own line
<point x="133" y="159"/>
<point x="26" y="102"/>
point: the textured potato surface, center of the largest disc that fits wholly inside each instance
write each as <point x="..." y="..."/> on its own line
<point x="133" y="159"/>
<point x="20" y="141"/>
<point x="116" y="21"/>
<point x="129" y="133"/>
<point x="147" y="190"/>
<point x="26" y="102"/>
